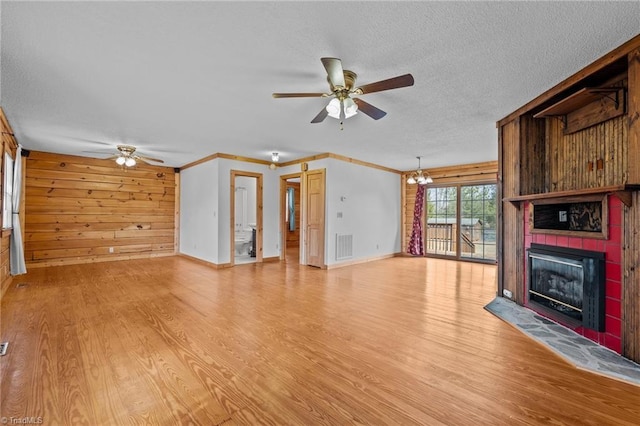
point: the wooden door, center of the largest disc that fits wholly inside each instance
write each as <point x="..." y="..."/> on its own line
<point x="314" y="215"/>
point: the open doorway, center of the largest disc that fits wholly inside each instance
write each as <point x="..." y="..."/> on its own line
<point x="246" y="217"/>
<point x="290" y="217"/>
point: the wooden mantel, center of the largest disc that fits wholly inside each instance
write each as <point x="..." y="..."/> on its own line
<point x="623" y="192"/>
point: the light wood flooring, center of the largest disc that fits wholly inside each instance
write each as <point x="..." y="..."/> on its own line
<point x="169" y="341"/>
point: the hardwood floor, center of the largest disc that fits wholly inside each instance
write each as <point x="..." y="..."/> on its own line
<point x="170" y="341"/>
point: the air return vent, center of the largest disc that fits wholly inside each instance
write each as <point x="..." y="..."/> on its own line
<point x="344" y="246"/>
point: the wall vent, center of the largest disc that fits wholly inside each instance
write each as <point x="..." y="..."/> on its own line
<point x="344" y="246"/>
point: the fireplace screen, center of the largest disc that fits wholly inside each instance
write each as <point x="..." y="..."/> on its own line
<point x="568" y="281"/>
<point x="557" y="283"/>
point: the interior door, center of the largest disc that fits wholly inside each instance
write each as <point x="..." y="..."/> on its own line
<point x="314" y="215"/>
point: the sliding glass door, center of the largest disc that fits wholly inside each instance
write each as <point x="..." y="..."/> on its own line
<point x="442" y="213"/>
<point x="478" y="221"/>
<point x="461" y="221"/>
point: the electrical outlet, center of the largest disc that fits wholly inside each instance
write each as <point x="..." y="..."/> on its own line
<point x="507" y="293"/>
<point x="110" y="249"/>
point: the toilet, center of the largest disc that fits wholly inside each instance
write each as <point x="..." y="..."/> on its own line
<point x="242" y="242"/>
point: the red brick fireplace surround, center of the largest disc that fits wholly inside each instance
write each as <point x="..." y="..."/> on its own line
<point x="613" y="249"/>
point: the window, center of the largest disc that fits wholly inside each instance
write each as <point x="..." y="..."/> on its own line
<point x="7" y="193"/>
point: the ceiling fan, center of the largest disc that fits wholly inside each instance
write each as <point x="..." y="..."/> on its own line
<point x="127" y="157"/>
<point x="342" y="86"/>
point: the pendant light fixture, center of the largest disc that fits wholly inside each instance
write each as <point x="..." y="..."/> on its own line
<point x="419" y="177"/>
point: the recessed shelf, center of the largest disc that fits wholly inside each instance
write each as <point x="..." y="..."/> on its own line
<point x="579" y="99"/>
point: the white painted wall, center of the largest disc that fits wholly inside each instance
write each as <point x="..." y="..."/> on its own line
<point x="199" y="211"/>
<point x="371" y="209"/>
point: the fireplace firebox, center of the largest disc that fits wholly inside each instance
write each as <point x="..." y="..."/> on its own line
<point x="568" y="281"/>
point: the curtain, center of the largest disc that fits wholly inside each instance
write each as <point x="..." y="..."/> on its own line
<point x="416" y="244"/>
<point x="16" y="247"/>
<point x="292" y="203"/>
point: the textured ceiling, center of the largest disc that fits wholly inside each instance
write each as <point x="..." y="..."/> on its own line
<point x="184" y="80"/>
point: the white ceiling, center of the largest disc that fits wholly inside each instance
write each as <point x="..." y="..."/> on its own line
<point x="183" y="80"/>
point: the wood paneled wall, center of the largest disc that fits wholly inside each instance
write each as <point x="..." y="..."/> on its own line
<point x="631" y="280"/>
<point x="9" y="144"/>
<point x="82" y="210"/>
<point x="451" y="175"/>
<point x="537" y="158"/>
<point x="590" y="158"/>
<point x="510" y="216"/>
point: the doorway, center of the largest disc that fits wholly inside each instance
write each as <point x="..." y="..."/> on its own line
<point x="461" y="221"/>
<point x="290" y="217"/>
<point x="246" y="217"/>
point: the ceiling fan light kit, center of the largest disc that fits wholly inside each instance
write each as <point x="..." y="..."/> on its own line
<point x="419" y="177"/>
<point x="342" y="86"/>
<point x="275" y="157"/>
<point x="127" y="157"/>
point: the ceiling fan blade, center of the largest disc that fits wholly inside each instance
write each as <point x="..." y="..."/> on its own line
<point x="334" y="71"/>
<point x="147" y="159"/>
<point x="369" y="109"/>
<point x="298" y="95"/>
<point x="321" y="116"/>
<point x="391" y="83"/>
<point x="103" y="152"/>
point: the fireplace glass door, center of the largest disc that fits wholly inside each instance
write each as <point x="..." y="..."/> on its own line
<point x="557" y="283"/>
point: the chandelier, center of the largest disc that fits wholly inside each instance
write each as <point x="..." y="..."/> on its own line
<point x="419" y="177"/>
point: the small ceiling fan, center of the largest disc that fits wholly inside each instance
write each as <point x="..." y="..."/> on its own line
<point x="127" y="157"/>
<point x="342" y="86"/>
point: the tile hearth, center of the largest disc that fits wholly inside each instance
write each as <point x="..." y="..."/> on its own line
<point x="576" y="349"/>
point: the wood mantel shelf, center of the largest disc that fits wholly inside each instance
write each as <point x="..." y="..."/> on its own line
<point x="579" y="99"/>
<point x="623" y="192"/>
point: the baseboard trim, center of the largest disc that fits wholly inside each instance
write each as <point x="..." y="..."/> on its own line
<point x="363" y="260"/>
<point x="206" y="262"/>
<point x="75" y="261"/>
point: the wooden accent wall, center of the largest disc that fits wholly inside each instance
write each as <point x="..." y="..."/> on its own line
<point x="450" y="175"/>
<point x="631" y="280"/>
<point x="293" y="237"/>
<point x="510" y="216"/>
<point x="533" y="160"/>
<point x="9" y="144"/>
<point x="591" y="158"/>
<point x="81" y="210"/>
<point x="633" y="108"/>
<point x="537" y="157"/>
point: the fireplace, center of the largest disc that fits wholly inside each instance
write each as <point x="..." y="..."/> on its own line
<point x="569" y="282"/>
